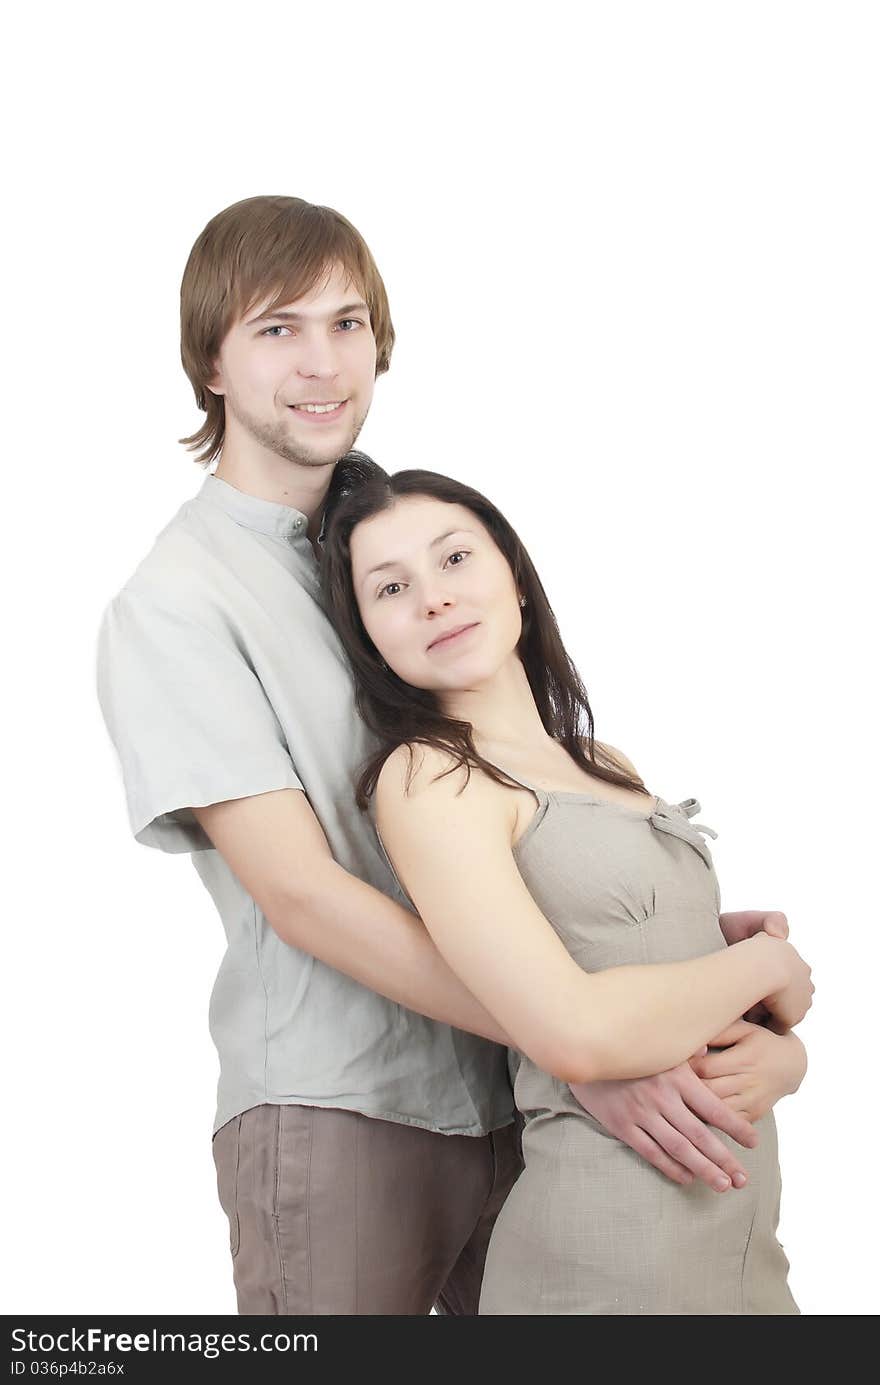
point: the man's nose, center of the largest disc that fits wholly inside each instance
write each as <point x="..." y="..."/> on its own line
<point x="317" y="359"/>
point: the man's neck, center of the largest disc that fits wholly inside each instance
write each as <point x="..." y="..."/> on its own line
<point x="279" y="481"/>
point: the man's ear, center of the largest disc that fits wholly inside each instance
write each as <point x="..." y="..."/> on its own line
<point x="215" y="384"/>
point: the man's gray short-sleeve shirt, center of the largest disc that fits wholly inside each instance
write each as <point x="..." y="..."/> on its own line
<point x="220" y="677"/>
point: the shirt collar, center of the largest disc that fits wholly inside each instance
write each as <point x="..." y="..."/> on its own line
<point x="267" y="517"/>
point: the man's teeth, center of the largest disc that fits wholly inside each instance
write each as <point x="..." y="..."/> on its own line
<point x="319" y="408"/>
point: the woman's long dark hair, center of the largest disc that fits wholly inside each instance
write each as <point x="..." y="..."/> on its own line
<point x="398" y="713"/>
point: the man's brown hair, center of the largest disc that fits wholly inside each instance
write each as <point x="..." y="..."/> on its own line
<point x="278" y="248"/>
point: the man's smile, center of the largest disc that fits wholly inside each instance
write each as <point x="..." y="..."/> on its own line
<point x="320" y="410"/>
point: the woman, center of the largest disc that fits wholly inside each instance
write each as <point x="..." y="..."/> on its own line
<point x="579" y="908"/>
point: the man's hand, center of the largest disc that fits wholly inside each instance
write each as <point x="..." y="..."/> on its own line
<point x="754" y="1068"/>
<point x="666" y="1119"/>
<point x="745" y="924"/>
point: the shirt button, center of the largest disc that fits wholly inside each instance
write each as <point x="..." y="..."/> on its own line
<point x="298" y="524"/>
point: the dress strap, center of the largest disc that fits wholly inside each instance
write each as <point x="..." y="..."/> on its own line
<point x="542" y="795"/>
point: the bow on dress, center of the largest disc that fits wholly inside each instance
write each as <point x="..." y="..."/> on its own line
<point x="674" y="818"/>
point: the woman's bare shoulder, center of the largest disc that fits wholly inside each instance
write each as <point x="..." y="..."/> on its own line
<point x="411" y="768"/>
<point x="427" y="774"/>
<point x="618" y="759"/>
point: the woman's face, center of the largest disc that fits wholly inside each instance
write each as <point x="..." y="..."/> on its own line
<point x="422" y="570"/>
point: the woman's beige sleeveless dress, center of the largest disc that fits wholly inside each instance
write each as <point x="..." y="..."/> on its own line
<point x="590" y="1226"/>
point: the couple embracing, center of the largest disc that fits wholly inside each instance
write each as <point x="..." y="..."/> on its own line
<point x="486" y="1042"/>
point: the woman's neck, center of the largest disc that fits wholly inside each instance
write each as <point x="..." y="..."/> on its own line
<point x="502" y="711"/>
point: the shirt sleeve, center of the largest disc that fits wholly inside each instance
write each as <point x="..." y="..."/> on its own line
<point x="189" y="718"/>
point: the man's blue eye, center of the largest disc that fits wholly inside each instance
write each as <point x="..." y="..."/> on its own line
<point x="349" y="322"/>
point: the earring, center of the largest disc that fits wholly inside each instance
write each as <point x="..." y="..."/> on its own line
<point x="522" y="601"/>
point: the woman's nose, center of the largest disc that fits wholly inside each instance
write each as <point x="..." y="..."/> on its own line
<point x="436" y="602"/>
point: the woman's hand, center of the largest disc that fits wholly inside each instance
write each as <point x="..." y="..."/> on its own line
<point x="789" y="1002"/>
<point x="753" y="1069"/>
<point x="745" y="923"/>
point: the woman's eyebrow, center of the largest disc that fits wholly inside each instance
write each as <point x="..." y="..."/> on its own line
<point x="395" y="562"/>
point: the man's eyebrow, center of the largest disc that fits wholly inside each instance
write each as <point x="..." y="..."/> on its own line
<point x="395" y="562"/>
<point x="281" y="315"/>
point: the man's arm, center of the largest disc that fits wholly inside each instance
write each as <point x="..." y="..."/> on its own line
<point x="276" y="847"/>
<point x="193" y="725"/>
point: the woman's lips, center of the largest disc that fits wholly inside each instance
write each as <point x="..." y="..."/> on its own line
<point x="453" y="636"/>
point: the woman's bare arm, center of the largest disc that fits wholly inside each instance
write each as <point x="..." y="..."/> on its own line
<point x="451" y="846"/>
<point x="276" y="847"/>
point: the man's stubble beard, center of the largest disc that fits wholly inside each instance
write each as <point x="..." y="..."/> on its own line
<point x="275" y="439"/>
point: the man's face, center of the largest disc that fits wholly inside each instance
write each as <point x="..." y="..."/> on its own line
<point x="319" y="350"/>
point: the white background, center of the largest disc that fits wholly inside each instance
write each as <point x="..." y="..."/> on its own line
<point x="631" y="254"/>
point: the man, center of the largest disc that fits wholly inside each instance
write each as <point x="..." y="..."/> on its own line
<point x="364" y="1137"/>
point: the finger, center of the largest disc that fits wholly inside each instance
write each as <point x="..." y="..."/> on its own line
<point x="740" y="1104"/>
<point x="721" y="1064"/>
<point x="693" y="1145"/>
<point x="744" y="923"/>
<point x="732" y="1034"/>
<point x="724" y="1087"/>
<point x="776" y="924"/>
<point x="706" y="1102"/>
<point x="641" y="1142"/>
